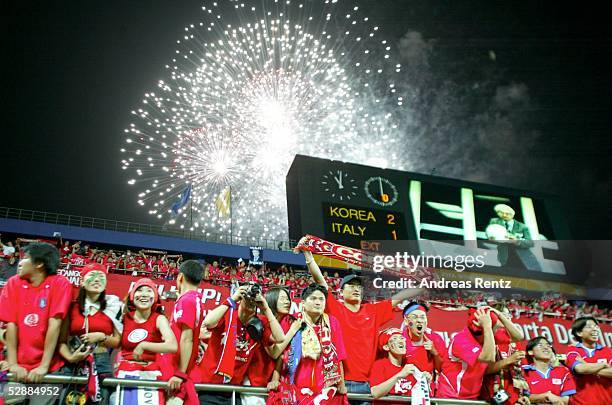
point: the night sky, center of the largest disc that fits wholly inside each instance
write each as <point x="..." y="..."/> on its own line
<point x="77" y="69"/>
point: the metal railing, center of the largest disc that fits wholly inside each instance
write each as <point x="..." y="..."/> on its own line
<point x="134" y="227"/>
<point x="233" y="389"/>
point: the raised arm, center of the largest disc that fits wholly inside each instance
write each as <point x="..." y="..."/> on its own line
<point x="213" y="317"/>
<point x="313" y="267"/>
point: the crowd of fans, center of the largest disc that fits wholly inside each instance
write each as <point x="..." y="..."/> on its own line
<point x="551" y="305"/>
<point x="163" y="265"/>
<point x="331" y="347"/>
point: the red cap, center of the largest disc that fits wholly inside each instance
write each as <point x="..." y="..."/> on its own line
<point x="472" y="318"/>
<point x="145" y="282"/>
<point x="385" y="335"/>
<point x="88" y="268"/>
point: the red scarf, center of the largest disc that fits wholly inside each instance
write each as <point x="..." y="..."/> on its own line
<point x="93" y="382"/>
<point x="228" y="354"/>
<point x="187" y="391"/>
<point x="358" y="257"/>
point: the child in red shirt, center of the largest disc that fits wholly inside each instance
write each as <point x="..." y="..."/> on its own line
<point x="186" y="322"/>
<point x="392" y="374"/>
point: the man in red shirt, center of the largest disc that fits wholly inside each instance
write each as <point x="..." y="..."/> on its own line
<point x="317" y="353"/>
<point x="33" y="304"/>
<point x="186" y="322"/>
<point x="501" y="375"/>
<point x="393" y="375"/>
<point x="360" y="324"/>
<point x="547" y="383"/>
<point x="469" y="353"/>
<point x="424" y="348"/>
<point x="237" y="330"/>
<point x="591" y="364"/>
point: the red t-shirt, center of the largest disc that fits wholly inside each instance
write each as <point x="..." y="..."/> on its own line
<point x="78" y="260"/>
<point x="30" y="308"/>
<point x="590" y="386"/>
<point x="503" y="342"/>
<point x="462" y="373"/>
<point x="245" y="350"/>
<point x="360" y="331"/>
<point x="557" y="380"/>
<point x="188" y="313"/>
<point x="134" y="333"/>
<point x="262" y="366"/>
<point x="421" y="358"/>
<point x="382" y="370"/>
<point x="98" y="322"/>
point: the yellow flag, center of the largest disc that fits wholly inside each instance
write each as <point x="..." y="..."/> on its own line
<point x="224" y="202"/>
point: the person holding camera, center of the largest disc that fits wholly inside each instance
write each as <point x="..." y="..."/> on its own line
<point x="504" y="377"/>
<point x="90" y="331"/>
<point x="548" y="384"/>
<point x="237" y="331"/>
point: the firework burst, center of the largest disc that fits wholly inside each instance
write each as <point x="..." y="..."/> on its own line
<point x="249" y="88"/>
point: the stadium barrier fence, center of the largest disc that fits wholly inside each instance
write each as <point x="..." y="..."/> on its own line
<point x="233" y="389"/>
<point x="134" y="227"/>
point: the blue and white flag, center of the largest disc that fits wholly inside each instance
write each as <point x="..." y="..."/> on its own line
<point x="183" y="200"/>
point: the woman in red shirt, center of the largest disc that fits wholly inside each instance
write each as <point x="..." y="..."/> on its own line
<point x="146" y="333"/>
<point x="91" y="330"/>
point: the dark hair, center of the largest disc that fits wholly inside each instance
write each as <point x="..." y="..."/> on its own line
<point x="45" y="254"/>
<point x="273" y="295"/>
<point x="308" y="291"/>
<point x="193" y="271"/>
<point x="532" y="344"/>
<point x="579" y="324"/>
<point x="81" y="300"/>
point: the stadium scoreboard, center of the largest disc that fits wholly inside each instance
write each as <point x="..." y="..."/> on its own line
<point x="356" y="205"/>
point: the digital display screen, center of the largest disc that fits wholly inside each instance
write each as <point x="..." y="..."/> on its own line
<point x="350" y="225"/>
<point x="352" y="204"/>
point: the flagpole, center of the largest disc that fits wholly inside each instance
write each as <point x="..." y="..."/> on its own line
<point x="231" y="216"/>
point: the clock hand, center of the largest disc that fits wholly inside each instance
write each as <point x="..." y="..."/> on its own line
<point x="381" y="187"/>
<point x="339" y="179"/>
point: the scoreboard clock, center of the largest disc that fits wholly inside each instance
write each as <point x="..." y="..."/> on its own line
<point x="344" y="203"/>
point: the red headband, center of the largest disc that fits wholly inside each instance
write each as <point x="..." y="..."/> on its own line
<point x="385" y="335"/>
<point x="88" y="268"/>
<point x="145" y="282"/>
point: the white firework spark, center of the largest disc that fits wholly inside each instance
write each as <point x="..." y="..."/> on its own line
<point x="248" y="89"/>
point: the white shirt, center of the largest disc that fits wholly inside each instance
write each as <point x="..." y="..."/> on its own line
<point x="8" y="250"/>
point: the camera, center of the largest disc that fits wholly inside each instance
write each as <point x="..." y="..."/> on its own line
<point x="253" y="291"/>
<point x="500" y="397"/>
<point x="255" y="328"/>
<point x="76" y="344"/>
